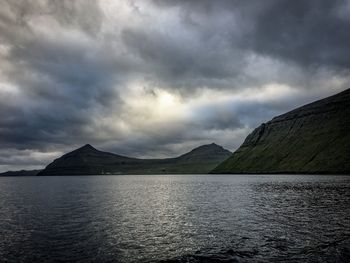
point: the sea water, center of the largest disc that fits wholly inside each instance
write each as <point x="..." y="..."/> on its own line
<point x="175" y="218"/>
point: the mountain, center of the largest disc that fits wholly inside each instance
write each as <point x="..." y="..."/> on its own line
<point x="88" y="161"/>
<point x="21" y="173"/>
<point x="314" y="138"/>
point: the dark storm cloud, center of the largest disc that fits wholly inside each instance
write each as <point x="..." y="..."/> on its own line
<point x="62" y="81"/>
<point x="308" y="32"/>
<point x="311" y="33"/>
<point x="173" y="58"/>
<point x="157" y="78"/>
<point x="59" y="97"/>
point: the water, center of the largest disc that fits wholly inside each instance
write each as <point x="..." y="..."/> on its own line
<point x="175" y="218"/>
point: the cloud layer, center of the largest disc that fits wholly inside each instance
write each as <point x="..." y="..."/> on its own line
<point x="157" y="78"/>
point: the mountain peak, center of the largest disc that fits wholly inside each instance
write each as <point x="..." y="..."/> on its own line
<point x="86" y="148"/>
<point x="207" y="150"/>
<point x="212" y="146"/>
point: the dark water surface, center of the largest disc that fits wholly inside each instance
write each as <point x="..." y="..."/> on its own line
<point x="176" y="218"/>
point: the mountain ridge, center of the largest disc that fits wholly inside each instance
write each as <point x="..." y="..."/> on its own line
<point x="89" y="160"/>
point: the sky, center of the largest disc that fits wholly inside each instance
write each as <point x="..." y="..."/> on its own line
<point x="156" y="78"/>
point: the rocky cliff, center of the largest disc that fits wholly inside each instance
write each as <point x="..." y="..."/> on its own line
<point x="314" y="138"/>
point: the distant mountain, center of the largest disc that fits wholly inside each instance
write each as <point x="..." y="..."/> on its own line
<point x="88" y="161"/>
<point x="314" y="138"/>
<point x="21" y="173"/>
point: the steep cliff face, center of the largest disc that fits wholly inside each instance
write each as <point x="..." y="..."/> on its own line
<point x="314" y="138"/>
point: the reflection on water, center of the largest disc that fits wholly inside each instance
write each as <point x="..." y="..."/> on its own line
<point x="175" y="218"/>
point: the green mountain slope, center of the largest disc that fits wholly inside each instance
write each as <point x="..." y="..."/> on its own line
<point x="314" y="138"/>
<point x="87" y="160"/>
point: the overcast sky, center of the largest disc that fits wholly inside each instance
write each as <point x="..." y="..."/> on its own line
<point x="158" y="78"/>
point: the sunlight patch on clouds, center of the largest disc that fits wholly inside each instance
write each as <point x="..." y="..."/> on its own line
<point x="4" y="49"/>
<point x="269" y="92"/>
<point x="8" y="89"/>
<point x="150" y="106"/>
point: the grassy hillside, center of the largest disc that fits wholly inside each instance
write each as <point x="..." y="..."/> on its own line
<point x="314" y="138"/>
